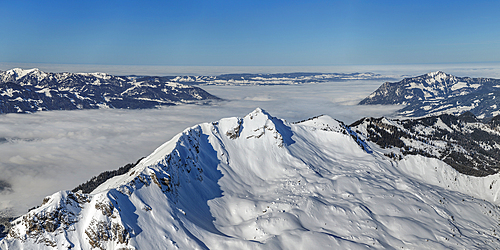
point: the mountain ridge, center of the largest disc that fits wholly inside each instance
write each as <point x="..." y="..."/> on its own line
<point x="259" y="182"/>
<point x="464" y="142"/>
<point x="437" y="93"/>
<point x="237" y="79"/>
<point x="28" y="91"/>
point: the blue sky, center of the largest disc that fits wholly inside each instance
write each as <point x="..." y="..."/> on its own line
<point x="249" y="33"/>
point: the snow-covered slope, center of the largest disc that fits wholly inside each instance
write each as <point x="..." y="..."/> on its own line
<point x="467" y="144"/>
<point x="437" y="93"/>
<point x="259" y="182"/>
<point x="27" y="91"/>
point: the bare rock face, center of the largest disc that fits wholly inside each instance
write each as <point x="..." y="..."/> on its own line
<point x="60" y="214"/>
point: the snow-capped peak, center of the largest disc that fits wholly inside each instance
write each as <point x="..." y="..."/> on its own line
<point x="19" y="73"/>
<point x="434" y="73"/>
<point x="438" y="76"/>
<point x="98" y="75"/>
<point x="227" y="185"/>
<point x="260" y="114"/>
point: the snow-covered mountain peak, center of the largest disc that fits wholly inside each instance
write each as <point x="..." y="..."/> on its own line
<point x="438" y="76"/>
<point x="436" y="73"/>
<point x="324" y="122"/>
<point x="259" y="118"/>
<point x="23" y="76"/>
<point x="260" y="123"/>
<point x="257" y="128"/>
<point x="18" y="73"/>
<point x="259" y="114"/>
<point x="98" y="75"/>
<point x="228" y="185"/>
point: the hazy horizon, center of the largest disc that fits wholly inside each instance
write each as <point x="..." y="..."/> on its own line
<point x="489" y="69"/>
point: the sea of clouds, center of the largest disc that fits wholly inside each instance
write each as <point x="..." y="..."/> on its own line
<point x="45" y="152"/>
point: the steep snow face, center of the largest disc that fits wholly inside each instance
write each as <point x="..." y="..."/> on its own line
<point x="259" y="182"/>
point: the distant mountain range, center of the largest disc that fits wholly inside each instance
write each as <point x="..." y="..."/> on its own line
<point x="438" y="93"/>
<point x="27" y="91"/>
<point x="260" y="182"/>
<point x="274" y="79"/>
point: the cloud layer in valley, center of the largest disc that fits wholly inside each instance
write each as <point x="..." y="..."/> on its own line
<point x="45" y="152"/>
